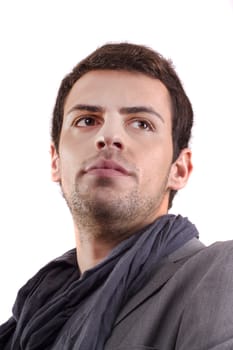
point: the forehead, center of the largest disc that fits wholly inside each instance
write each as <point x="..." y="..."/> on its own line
<point x="115" y="89"/>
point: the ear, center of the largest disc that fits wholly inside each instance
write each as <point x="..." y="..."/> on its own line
<point x="55" y="164"/>
<point x="180" y="170"/>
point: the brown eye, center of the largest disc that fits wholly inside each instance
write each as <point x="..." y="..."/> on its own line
<point x="142" y="124"/>
<point x="85" y="122"/>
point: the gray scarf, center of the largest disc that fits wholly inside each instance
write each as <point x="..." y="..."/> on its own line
<point x="57" y="293"/>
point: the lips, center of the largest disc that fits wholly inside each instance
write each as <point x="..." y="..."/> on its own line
<point x="106" y="167"/>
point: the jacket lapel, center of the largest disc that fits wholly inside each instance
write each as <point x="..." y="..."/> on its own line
<point x="160" y="274"/>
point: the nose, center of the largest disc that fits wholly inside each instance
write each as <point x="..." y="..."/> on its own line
<point x="108" y="142"/>
<point x="111" y="134"/>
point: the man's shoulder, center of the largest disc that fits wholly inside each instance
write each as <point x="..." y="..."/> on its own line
<point x="66" y="261"/>
<point x="194" y="250"/>
<point x="208" y="284"/>
<point x="219" y="254"/>
<point x="221" y="246"/>
<point x="197" y="262"/>
<point x="217" y="251"/>
<point x="47" y="280"/>
<point x="68" y="257"/>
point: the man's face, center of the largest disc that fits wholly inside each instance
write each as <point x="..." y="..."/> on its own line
<point x="115" y="151"/>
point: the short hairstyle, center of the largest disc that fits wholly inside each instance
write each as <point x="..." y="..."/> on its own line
<point x="132" y="58"/>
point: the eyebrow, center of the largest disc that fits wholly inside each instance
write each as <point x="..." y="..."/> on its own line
<point x="84" y="107"/>
<point x="123" y="110"/>
<point x="140" y="109"/>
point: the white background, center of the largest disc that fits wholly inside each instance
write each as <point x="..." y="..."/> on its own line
<point x="40" y="42"/>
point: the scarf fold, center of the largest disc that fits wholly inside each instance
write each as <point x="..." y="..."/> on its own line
<point x="57" y="292"/>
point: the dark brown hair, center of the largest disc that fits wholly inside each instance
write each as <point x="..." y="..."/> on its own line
<point x="133" y="58"/>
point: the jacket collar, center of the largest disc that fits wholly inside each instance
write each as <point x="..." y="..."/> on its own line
<point x="160" y="274"/>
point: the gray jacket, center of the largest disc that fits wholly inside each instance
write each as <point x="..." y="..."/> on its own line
<point x="186" y="305"/>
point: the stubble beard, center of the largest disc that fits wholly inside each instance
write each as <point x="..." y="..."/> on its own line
<point x="111" y="218"/>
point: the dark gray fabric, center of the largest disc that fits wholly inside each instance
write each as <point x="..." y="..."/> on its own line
<point x="186" y="304"/>
<point x="50" y="299"/>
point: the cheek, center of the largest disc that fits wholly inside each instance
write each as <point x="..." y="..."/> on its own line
<point x="75" y="147"/>
<point x="74" y="152"/>
<point x="155" y="167"/>
<point x="69" y="165"/>
<point x="69" y="149"/>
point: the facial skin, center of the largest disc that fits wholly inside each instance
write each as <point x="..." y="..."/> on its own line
<point x="115" y="154"/>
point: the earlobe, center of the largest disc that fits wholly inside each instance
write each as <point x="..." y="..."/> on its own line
<point x="55" y="164"/>
<point x="180" y="170"/>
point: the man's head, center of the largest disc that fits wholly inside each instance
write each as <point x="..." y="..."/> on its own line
<point x="125" y="104"/>
<point x="132" y="58"/>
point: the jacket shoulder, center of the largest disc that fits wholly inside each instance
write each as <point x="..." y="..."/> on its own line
<point x="207" y="319"/>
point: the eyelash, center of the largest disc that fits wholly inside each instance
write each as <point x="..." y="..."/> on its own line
<point x="149" y="125"/>
<point x="83" y="119"/>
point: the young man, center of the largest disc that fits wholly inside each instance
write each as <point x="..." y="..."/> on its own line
<point x="139" y="278"/>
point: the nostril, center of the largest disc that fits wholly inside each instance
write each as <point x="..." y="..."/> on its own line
<point x="101" y="144"/>
<point x="117" y="144"/>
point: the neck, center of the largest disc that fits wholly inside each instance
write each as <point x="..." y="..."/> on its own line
<point x="95" y="241"/>
<point x="91" y="251"/>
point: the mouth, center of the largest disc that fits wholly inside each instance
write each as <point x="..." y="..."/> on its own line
<point x="106" y="168"/>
